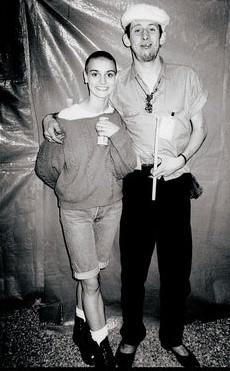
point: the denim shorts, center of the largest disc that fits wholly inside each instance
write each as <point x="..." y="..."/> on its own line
<point x="89" y="236"/>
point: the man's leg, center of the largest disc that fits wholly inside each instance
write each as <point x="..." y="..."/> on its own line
<point x="174" y="251"/>
<point x="137" y="236"/>
<point x="135" y="260"/>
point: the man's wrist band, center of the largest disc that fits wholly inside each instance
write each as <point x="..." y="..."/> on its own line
<point x="55" y="114"/>
<point x="184" y="157"/>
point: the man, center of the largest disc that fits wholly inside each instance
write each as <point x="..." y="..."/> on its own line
<point x="155" y="97"/>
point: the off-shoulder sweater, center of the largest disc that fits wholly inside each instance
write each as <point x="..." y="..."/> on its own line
<point x="83" y="173"/>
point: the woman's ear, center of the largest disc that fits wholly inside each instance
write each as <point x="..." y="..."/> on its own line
<point x="85" y="77"/>
<point x="126" y="40"/>
<point x="163" y="38"/>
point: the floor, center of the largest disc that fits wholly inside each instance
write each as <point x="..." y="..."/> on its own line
<point x="25" y="342"/>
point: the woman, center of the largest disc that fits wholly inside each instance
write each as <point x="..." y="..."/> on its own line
<point x="86" y="173"/>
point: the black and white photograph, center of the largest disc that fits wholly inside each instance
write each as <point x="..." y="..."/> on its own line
<point x="115" y="184"/>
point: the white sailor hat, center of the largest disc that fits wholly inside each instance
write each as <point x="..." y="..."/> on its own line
<point x="145" y="11"/>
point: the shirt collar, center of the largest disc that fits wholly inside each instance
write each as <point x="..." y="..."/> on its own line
<point x="134" y="73"/>
<point x="135" y="76"/>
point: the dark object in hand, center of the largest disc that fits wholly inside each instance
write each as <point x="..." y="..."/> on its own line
<point x="146" y="169"/>
<point x="195" y="190"/>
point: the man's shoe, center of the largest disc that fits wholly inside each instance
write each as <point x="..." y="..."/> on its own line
<point x="82" y="338"/>
<point x="124" y="360"/>
<point x="104" y="358"/>
<point x="189" y="361"/>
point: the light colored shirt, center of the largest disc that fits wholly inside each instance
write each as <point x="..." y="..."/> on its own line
<point x="179" y="96"/>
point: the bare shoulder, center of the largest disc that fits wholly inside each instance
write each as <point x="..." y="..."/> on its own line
<point x="69" y="112"/>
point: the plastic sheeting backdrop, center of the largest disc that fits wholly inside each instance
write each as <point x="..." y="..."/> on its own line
<point x="43" y="48"/>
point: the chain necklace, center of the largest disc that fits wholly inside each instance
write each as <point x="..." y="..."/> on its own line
<point x="149" y="97"/>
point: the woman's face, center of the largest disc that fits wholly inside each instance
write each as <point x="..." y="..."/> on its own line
<point x="100" y="76"/>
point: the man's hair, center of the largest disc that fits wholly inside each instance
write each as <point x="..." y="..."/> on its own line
<point x="100" y="54"/>
<point x="127" y="30"/>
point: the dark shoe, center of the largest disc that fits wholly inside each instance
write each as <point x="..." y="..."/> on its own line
<point x="124" y="360"/>
<point x="104" y="358"/>
<point x="189" y="361"/>
<point x="82" y="338"/>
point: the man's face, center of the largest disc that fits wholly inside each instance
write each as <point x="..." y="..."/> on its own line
<point x="144" y="39"/>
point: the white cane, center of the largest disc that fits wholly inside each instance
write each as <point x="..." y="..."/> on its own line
<point x="155" y="160"/>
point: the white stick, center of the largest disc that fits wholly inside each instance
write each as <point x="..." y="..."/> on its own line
<point x="155" y="159"/>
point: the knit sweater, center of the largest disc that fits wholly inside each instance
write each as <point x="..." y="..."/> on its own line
<point x="83" y="173"/>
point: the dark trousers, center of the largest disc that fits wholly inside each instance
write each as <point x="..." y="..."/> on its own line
<point x="165" y="222"/>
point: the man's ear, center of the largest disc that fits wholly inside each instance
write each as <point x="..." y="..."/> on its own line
<point x="85" y="77"/>
<point x="126" y="40"/>
<point x="163" y="38"/>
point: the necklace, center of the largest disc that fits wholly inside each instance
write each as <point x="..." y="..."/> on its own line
<point x="149" y="97"/>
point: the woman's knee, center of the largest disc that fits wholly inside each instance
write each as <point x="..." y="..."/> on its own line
<point x="91" y="285"/>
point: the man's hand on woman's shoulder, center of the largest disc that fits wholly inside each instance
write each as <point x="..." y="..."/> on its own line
<point x="51" y="129"/>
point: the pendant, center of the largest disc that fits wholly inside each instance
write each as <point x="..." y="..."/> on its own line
<point x="149" y="106"/>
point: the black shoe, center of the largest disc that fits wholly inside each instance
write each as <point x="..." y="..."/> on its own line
<point x="124" y="360"/>
<point x="189" y="361"/>
<point x="82" y="338"/>
<point x="104" y="358"/>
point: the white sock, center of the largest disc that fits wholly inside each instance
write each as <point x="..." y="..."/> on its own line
<point x="80" y="313"/>
<point x="100" y="335"/>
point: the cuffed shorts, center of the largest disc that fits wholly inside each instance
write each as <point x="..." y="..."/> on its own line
<point x="89" y="236"/>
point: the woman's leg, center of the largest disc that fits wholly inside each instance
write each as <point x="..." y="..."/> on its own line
<point x="79" y="295"/>
<point x="86" y="246"/>
<point x="92" y="303"/>
<point x="80" y="243"/>
<point x="95" y="314"/>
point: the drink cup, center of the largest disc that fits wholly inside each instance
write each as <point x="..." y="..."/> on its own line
<point x="102" y="139"/>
